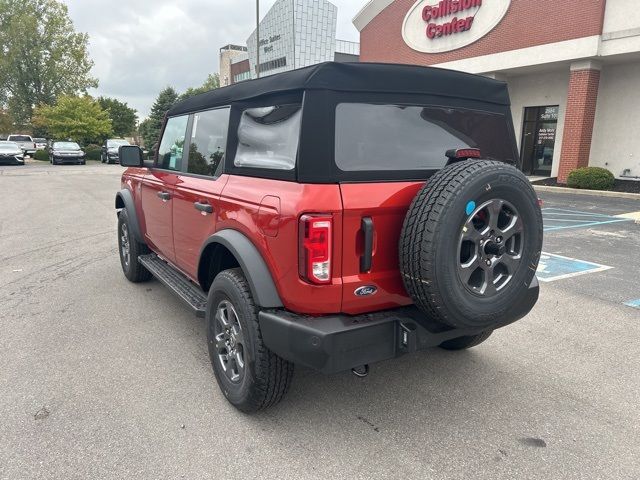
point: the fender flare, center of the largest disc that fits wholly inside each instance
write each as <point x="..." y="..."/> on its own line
<point x="253" y="265"/>
<point x="124" y="200"/>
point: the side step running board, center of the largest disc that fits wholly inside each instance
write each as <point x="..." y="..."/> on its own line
<point x="190" y="293"/>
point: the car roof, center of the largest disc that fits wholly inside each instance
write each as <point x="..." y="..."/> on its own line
<point x="356" y="77"/>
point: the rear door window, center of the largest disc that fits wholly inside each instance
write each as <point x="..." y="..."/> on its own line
<point x="375" y="137"/>
<point x="20" y="138"/>
<point x="268" y="137"/>
<point x="208" y="142"/>
<point x="171" y="147"/>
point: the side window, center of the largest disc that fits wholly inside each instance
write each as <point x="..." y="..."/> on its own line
<point x="172" y="144"/>
<point x="268" y="137"/>
<point x="208" y="141"/>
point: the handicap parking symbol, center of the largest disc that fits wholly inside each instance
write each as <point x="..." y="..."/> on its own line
<point x="556" y="267"/>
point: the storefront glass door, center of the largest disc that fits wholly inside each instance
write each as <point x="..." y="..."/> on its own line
<point x="538" y="139"/>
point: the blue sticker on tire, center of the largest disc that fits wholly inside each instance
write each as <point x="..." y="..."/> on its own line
<point x="471" y="206"/>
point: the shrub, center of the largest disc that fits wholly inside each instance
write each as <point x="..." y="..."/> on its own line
<point x="93" y="152"/>
<point x="591" y="178"/>
<point x="41" y="155"/>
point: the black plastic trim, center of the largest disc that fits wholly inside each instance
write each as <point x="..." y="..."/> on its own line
<point x="253" y="265"/>
<point x="337" y="343"/>
<point x="367" y="255"/>
<point x="126" y="199"/>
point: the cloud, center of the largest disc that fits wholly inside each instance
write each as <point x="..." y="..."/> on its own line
<point x="141" y="46"/>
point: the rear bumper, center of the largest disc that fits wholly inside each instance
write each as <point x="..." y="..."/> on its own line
<point x="340" y="342"/>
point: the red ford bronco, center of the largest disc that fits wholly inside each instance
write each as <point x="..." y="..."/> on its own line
<point x="335" y="216"/>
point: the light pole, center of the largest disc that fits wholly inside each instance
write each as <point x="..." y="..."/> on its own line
<point x="257" y="38"/>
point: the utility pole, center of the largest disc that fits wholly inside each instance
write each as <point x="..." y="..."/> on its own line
<point x="257" y="38"/>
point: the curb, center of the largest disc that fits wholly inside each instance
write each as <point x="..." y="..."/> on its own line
<point x="594" y="193"/>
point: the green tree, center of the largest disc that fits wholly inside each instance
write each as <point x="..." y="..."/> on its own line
<point x="151" y="131"/>
<point x="41" y="56"/>
<point x="144" y="131"/>
<point x="211" y="83"/>
<point x="123" y="118"/>
<point x="6" y="122"/>
<point x="79" y="118"/>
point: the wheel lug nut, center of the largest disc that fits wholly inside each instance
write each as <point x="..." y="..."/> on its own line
<point x="499" y="239"/>
<point x="488" y="263"/>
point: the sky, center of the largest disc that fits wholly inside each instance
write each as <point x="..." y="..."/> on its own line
<point x="141" y="46"/>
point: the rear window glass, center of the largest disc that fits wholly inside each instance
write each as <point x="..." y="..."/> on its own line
<point x="268" y="137"/>
<point x="20" y="138"/>
<point x="401" y="137"/>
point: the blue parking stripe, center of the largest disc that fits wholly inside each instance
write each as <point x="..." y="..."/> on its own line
<point x="633" y="303"/>
<point x="580" y="225"/>
<point x="574" y="212"/>
<point x="563" y="219"/>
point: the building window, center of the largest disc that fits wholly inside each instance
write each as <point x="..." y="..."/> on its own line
<point x="538" y="139"/>
<point x="273" y="64"/>
<point x="241" y="77"/>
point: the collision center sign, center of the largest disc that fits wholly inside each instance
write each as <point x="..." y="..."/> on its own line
<point x="433" y="26"/>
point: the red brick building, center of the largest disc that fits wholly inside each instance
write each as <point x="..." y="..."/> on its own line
<point x="572" y="66"/>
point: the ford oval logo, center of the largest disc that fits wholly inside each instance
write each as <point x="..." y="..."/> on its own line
<point x="365" y="291"/>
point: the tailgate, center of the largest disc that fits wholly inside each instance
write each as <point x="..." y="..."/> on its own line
<point x="373" y="211"/>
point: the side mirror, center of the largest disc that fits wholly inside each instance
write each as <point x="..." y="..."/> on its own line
<point x="130" y="156"/>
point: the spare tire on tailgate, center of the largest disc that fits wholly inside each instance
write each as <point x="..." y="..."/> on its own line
<point x="471" y="242"/>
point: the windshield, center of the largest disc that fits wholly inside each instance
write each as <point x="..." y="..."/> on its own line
<point x="9" y="146"/>
<point x="40" y="140"/>
<point x="401" y="137"/>
<point x="66" y="146"/>
<point x="116" y="143"/>
<point x="20" y="138"/>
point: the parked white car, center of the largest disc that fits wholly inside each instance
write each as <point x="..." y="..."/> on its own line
<point x="11" y="153"/>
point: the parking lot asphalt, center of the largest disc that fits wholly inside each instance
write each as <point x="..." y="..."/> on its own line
<point x="101" y="378"/>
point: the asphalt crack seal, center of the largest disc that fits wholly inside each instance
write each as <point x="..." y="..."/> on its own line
<point x="368" y="422"/>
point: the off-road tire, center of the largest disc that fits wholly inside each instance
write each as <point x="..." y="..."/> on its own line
<point x="133" y="270"/>
<point x="462" y="343"/>
<point x="429" y="242"/>
<point x="266" y="376"/>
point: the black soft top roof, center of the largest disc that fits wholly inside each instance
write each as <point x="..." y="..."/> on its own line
<point x="356" y="77"/>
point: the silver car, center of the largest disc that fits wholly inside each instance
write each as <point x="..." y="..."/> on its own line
<point x="11" y="153"/>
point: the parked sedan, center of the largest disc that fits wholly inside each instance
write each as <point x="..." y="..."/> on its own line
<point x="110" y="147"/>
<point x="11" y="153"/>
<point x="66" y="152"/>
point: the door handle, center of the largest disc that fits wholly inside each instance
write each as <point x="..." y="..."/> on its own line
<point x="164" y="196"/>
<point x="366" y="259"/>
<point x="203" y="207"/>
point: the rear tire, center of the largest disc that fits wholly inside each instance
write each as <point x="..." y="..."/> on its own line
<point x="130" y="249"/>
<point x="462" y="343"/>
<point x="250" y="376"/>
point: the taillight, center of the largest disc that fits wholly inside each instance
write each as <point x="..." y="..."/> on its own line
<point x="315" y="248"/>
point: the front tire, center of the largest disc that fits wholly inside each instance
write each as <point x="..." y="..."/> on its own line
<point x="250" y="375"/>
<point x="130" y="249"/>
